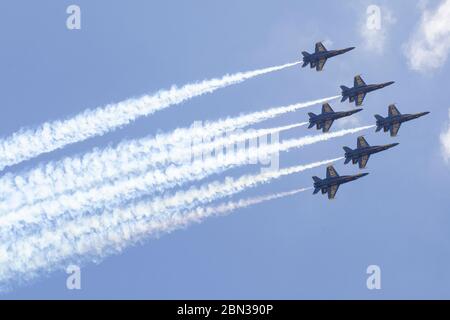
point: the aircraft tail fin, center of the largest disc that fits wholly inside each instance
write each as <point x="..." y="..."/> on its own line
<point x="311" y="123"/>
<point x="316" y="179"/>
<point x="344" y="96"/>
<point x="305" y="54"/>
<point x="347" y="157"/>
<point x="379" y="120"/>
<point x="347" y="149"/>
<point x="305" y="59"/>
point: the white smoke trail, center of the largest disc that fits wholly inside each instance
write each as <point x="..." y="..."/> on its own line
<point x="201" y="213"/>
<point x="29" y="143"/>
<point x="74" y="173"/>
<point x="30" y="194"/>
<point x="132" y="187"/>
<point x="97" y="236"/>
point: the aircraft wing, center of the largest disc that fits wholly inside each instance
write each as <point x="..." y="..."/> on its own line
<point x="326" y="108"/>
<point x="363" y="161"/>
<point x="327" y="125"/>
<point x="360" y="98"/>
<point x="332" y="191"/>
<point x="394" y="129"/>
<point x="331" y="172"/>
<point x="320" y="64"/>
<point x="362" y="143"/>
<point x="393" y="111"/>
<point x="358" y="81"/>
<point x="320" y="47"/>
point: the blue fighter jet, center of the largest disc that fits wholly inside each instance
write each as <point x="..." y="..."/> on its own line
<point x="319" y="57"/>
<point x="394" y="119"/>
<point x="360" y="89"/>
<point x="332" y="182"/>
<point x="325" y="119"/>
<point x="363" y="151"/>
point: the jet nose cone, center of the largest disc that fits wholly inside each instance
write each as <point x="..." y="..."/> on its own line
<point x="392" y="145"/>
<point x="388" y="83"/>
<point x="421" y="114"/>
<point x="357" y="110"/>
<point x="363" y="174"/>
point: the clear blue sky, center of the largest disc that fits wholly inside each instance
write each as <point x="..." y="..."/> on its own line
<point x="299" y="247"/>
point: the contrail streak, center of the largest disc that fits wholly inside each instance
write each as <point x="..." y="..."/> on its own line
<point x="199" y="213"/>
<point x="29" y="143"/>
<point x="37" y="192"/>
<point x="73" y="173"/>
<point x="96" y="236"/>
<point x="129" y="188"/>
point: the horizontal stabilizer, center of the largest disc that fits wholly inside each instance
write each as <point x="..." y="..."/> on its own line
<point x="344" y="88"/>
<point x="305" y="54"/>
<point x="311" y="124"/>
<point x="347" y="160"/>
<point x="378" y="117"/>
<point x="311" y="114"/>
<point x="316" y="190"/>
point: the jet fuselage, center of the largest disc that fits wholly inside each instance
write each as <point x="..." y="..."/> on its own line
<point x="322" y="117"/>
<point x="354" y="91"/>
<point x="316" y="56"/>
<point x="328" y="182"/>
<point x="367" y="151"/>
<point x="390" y="120"/>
